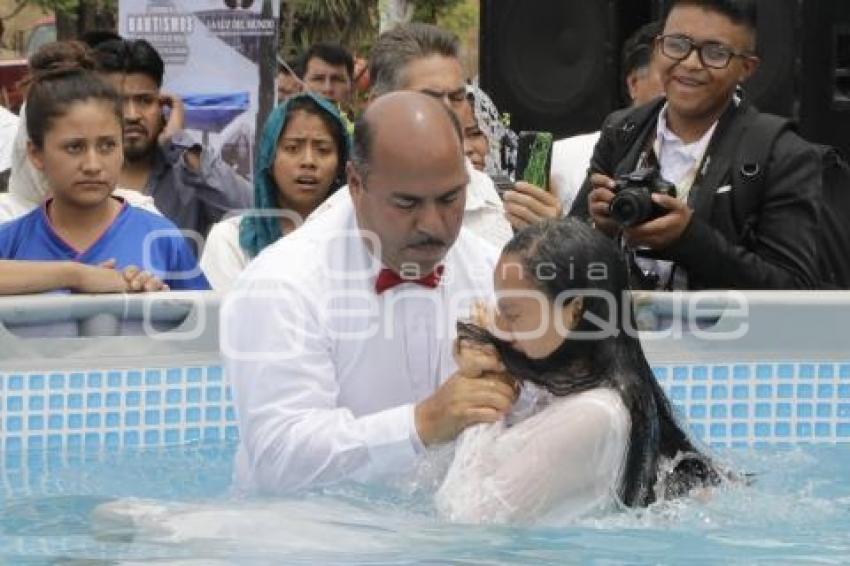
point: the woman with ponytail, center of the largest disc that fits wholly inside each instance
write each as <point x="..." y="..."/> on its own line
<point x="73" y="120"/>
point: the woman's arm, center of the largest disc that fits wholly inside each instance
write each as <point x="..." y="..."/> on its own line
<point x="19" y="277"/>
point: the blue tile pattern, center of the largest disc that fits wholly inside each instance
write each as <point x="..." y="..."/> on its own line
<point x="730" y="404"/>
<point x="763" y="403"/>
<point x="94" y="410"/>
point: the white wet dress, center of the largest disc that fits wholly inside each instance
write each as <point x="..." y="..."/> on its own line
<point x="565" y="460"/>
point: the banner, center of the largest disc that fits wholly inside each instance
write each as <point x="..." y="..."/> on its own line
<point x="220" y="59"/>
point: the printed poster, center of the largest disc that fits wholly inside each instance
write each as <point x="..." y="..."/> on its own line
<point x="220" y="58"/>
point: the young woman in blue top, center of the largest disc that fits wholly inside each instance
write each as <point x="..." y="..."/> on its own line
<point x="74" y="124"/>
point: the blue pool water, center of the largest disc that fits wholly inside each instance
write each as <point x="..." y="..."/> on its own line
<point x="798" y="510"/>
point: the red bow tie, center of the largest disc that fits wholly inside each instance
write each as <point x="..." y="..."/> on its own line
<point x="387" y="279"/>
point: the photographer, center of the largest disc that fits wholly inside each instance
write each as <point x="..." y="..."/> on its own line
<point x="715" y="233"/>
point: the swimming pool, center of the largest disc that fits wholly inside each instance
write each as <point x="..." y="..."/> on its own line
<point x="798" y="510"/>
<point x="88" y="418"/>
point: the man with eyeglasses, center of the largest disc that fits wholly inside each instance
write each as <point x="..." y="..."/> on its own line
<point x="714" y="234"/>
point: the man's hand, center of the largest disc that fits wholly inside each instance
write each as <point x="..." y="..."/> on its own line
<point x="662" y="232"/>
<point x="461" y="402"/>
<point x="527" y="204"/>
<point x="176" y="116"/>
<point x="599" y="203"/>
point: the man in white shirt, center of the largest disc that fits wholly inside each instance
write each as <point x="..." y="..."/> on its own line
<point x="338" y="338"/>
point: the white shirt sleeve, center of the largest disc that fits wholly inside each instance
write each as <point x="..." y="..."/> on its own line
<point x="570" y="162"/>
<point x="568" y="457"/>
<point x="223" y="259"/>
<point x="279" y="359"/>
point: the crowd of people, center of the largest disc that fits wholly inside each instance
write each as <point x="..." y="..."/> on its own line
<point x="351" y="275"/>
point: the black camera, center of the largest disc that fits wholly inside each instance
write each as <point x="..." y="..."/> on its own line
<point x="632" y="204"/>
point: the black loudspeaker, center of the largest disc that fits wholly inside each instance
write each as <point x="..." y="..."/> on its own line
<point x="773" y="88"/>
<point x="554" y="64"/>
<point x="825" y="78"/>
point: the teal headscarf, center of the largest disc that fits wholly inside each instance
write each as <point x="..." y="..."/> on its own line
<point x="257" y="232"/>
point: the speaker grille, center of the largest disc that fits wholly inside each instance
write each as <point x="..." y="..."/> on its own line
<point x="550" y="63"/>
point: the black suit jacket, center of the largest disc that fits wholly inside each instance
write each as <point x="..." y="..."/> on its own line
<point x="736" y="239"/>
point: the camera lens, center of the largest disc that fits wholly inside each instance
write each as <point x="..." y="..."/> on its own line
<point x="630" y="207"/>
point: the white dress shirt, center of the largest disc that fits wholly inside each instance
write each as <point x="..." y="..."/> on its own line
<point x="325" y="372"/>
<point x="570" y="162"/>
<point x="679" y="161"/>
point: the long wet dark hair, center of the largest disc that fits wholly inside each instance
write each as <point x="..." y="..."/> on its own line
<point x="568" y="256"/>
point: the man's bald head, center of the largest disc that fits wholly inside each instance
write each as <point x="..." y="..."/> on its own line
<point x="410" y="120"/>
<point x="407" y="179"/>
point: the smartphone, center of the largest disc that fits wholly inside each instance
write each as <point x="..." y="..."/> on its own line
<point x="534" y="158"/>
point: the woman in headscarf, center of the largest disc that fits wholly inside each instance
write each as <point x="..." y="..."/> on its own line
<point x="600" y="432"/>
<point x="300" y="162"/>
<point x="488" y="142"/>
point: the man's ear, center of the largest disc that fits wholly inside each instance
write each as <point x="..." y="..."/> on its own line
<point x="36" y="156"/>
<point x="632" y="84"/>
<point x="355" y="183"/>
<point x="749" y="66"/>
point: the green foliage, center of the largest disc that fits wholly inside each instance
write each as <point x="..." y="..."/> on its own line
<point x="460" y="17"/>
<point x="63" y="6"/>
<point x="430" y="10"/>
<point x="352" y="23"/>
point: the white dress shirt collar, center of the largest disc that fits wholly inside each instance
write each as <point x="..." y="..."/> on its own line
<point x="678" y="160"/>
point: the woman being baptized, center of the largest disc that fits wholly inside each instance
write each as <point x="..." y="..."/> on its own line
<point x="597" y="431"/>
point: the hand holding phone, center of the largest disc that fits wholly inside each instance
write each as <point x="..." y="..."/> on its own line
<point x="530" y="201"/>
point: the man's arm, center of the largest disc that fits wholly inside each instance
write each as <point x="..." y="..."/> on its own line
<point x="601" y="165"/>
<point x="294" y="435"/>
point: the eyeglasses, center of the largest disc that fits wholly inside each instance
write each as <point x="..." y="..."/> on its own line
<point x="450" y="97"/>
<point x="712" y="54"/>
